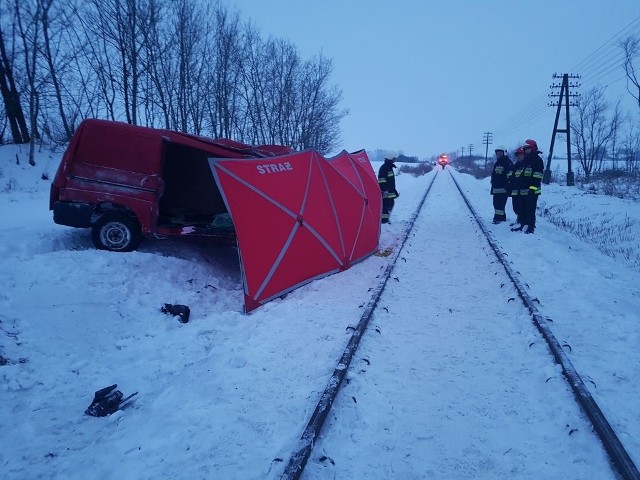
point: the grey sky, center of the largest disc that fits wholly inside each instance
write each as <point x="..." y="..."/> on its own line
<point x="426" y="77"/>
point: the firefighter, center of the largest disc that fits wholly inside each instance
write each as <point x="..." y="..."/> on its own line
<point x="532" y="171"/>
<point x="500" y="184"/>
<point x="387" y="182"/>
<point x="514" y="186"/>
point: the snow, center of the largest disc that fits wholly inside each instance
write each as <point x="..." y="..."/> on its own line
<point x="451" y="380"/>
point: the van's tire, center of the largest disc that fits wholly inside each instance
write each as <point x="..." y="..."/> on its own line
<point x="116" y="232"/>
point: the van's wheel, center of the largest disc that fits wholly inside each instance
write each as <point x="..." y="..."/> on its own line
<point x="116" y="232"/>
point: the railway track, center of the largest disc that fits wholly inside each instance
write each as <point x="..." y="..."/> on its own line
<point x="458" y="312"/>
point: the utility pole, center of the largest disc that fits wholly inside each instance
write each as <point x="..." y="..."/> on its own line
<point x="487" y="139"/>
<point x="470" y="147"/>
<point x="564" y="94"/>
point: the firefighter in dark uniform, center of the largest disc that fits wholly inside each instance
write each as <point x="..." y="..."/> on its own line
<point x="514" y="186"/>
<point x="533" y="169"/>
<point x="387" y="182"/>
<point x="500" y="184"/>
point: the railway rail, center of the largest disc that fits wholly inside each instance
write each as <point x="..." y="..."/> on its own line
<point x="620" y="461"/>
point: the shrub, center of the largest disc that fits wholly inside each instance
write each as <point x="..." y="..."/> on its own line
<point x="416" y="169"/>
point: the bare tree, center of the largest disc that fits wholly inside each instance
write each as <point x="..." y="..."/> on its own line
<point x="3" y="124"/>
<point x="223" y="103"/>
<point x="98" y="52"/>
<point x="254" y="128"/>
<point x="631" y="48"/>
<point x="51" y="36"/>
<point x="11" y="96"/>
<point x="190" y="30"/>
<point x="631" y="151"/>
<point x="282" y="64"/>
<point x="160" y="75"/>
<point x="592" y="129"/>
<point x="271" y="71"/>
<point x="180" y="64"/>
<point x="320" y="115"/>
<point x="28" y="15"/>
<point x="115" y="31"/>
<point x="46" y="67"/>
<point x="84" y="88"/>
<point x="288" y="101"/>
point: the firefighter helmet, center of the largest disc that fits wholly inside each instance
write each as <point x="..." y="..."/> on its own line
<point x="530" y="144"/>
<point x="500" y="148"/>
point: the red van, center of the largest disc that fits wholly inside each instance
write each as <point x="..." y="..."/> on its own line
<point x="125" y="182"/>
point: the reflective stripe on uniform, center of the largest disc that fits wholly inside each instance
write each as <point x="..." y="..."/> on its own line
<point x="537" y="175"/>
<point x="499" y="190"/>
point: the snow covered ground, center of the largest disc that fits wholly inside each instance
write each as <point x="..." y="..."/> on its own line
<point x="451" y="380"/>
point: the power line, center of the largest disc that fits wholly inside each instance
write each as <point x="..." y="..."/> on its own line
<point x="596" y="68"/>
<point x="532" y="109"/>
<point x="583" y="65"/>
